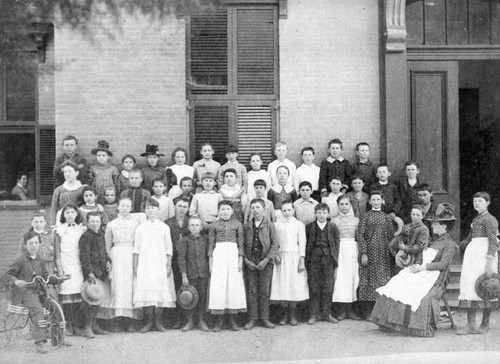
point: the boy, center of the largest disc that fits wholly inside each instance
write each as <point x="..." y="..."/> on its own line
<point x="205" y="165"/>
<point x="136" y="193"/>
<point x="166" y="204"/>
<point x="280" y="151"/>
<point x="261" y="247"/>
<point x="363" y="166"/>
<point x="178" y="225"/>
<point x="389" y="191"/>
<point x="193" y="265"/>
<point x="95" y="265"/>
<point x="359" y="198"/>
<point x="309" y="172"/>
<point x="322" y="250"/>
<point x="412" y="240"/>
<point x="153" y="170"/>
<point x="205" y="203"/>
<point x="304" y="206"/>
<point x="424" y="193"/>
<point x="334" y="165"/>
<point x="186" y="185"/>
<point x="70" y="146"/>
<point x="241" y="171"/>
<point x="260" y="188"/>
<point x="23" y="270"/>
<point x="152" y="265"/>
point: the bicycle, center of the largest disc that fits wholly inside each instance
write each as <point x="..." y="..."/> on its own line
<point x="19" y="317"/>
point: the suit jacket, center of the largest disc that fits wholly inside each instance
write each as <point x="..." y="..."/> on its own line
<point x="333" y="237"/>
<point x="93" y="255"/>
<point x="267" y="236"/>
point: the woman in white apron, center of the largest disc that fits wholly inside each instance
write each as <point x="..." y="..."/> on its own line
<point x="480" y="257"/>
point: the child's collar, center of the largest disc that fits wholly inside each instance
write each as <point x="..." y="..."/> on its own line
<point x="331" y="159"/>
<point x="383" y="183"/>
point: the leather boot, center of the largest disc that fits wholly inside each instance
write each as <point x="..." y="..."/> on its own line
<point x="158" y="319"/>
<point x="293" y="316"/>
<point x="202" y="324"/>
<point x="232" y="323"/>
<point x="218" y="323"/>
<point x="149" y="320"/>
<point x="189" y="321"/>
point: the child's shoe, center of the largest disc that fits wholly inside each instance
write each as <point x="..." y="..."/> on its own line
<point x="331" y="319"/>
<point x="232" y="323"/>
<point x="189" y="324"/>
<point x="218" y="323"/>
<point x="41" y="348"/>
<point x="202" y="324"/>
<point x="343" y="314"/>
<point x="268" y="324"/>
<point x="149" y="323"/>
<point x="312" y="320"/>
<point x="293" y="317"/>
<point x="158" y="324"/>
<point x="249" y="325"/>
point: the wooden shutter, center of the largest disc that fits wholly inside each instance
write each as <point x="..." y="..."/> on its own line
<point x="211" y="125"/>
<point x="255" y="132"/>
<point x="45" y="167"/>
<point x="255" y="51"/>
<point x="209" y="50"/>
<point x="21" y="92"/>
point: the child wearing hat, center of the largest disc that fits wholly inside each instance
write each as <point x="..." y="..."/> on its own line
<point x="153" y="169"/>
<point x="95" y="265"/>
<point x="23" y="270"/>
<point x="232" y="162"/>
<point x="153" y="267"/>
<point x="193" y="266"/>
<point x="102" y="174"/>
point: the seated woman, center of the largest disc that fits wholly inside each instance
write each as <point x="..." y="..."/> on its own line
<point x="409" y="302"/>
<point x="20" y="190"/>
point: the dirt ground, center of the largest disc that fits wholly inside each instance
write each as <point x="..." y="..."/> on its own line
<point x="348" y="341"/>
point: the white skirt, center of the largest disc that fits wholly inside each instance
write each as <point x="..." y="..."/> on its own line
<point x="227" y="289"/>
<point x="287" y="283"/>
<point x="473" y="266"/>
<point x="347" y="280"/>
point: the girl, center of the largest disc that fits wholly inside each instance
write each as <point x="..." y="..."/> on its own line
<point x="359" y="198"/>
<point x="153" y="169"/>
<point x="289" y="283"/>
<point x="375" y="231"/>
<point x="225" y="252"/>
<point x="255" y="174"/>
<point x="71" y="191"/>
<point x="281" y="191"/>
<point x="233" y="192"/>
<point x="153" y="267"/>
<point x="89" y="197"/>
<point x="347" y="279"/>
<point x="408" y="188"/>
<point x="122" y="183"/>
<point x="331" y="199"/>
<point x="67" y="253"/>
<point x="176" y="172"/>
<point x="120" y="248"/>
<point x="102" y="174"/>
<point x="480" y="257"/>
<point x="110" y="207"/>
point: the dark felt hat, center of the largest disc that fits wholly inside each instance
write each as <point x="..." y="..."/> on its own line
<point x="404" y="260"/>
<point x="187" y="297"/>
<point x="488" y="288"/>
<point x="102" y="146"/>
<point x="152" y="149"/>
<point x="444" y="212"/>
<point x="94" y="293"/>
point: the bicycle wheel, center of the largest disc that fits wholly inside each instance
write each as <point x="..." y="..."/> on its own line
<point x="12" y="323"/>
<point x="56" y="324"/>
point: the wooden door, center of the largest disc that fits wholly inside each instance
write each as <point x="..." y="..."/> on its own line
<point x="434" y="125"/>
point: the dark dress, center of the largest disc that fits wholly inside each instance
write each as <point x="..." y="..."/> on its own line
<point x="375" y="231"/>
<point x="398" y="316"/>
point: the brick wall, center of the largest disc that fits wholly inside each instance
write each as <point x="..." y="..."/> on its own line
<point x="124" y="83"/>
<point x="329" y="75"/>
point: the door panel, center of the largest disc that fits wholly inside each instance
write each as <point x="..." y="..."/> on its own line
<point x="433" y="116"/>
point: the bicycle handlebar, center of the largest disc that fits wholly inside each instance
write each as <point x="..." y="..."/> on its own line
<point x="40" y="278"/>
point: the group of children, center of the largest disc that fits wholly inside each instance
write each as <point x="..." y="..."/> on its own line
<point x="243" y="239"/>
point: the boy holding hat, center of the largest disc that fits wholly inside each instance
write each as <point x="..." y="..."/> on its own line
<point x="95" y="265"/>
<point x="193" y="265"/>
<point x="102" y="174"/>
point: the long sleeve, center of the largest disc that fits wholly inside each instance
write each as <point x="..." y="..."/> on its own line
<point x="55" y="205"/>
<point x="240" y="240"/>
<point x="361" y="235"/>
<point x="244" y="175"/>
<point x="114" y="174"/>
<point x="108" y="238"/>
<point x="491" y="226"/>
<point x="85" y="260"/>
<point x="193" y="208"/>
<point x="211" y="239"/>
<point x="12" y="273"/>
<point x="301" y="235"/>
<point x="91" y="176"/>
<point x="397" y="201"/>
<point x="181" y="254"/>
<point x="273" y="250"/>
<point x="168" y="241"/>
<point x="446" y="257"/>
<point x="323" y="175"/>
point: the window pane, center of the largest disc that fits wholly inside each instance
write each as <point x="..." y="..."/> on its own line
<point x="21" y="92"/>
<point x="209" y="52"/>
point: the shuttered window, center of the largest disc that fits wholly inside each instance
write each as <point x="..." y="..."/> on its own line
<point x="232" y="79"/>
<point x="46" y="158"/>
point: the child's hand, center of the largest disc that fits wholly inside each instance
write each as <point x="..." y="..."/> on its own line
<point x="392" y="215"/>
<point x="185" y="282"/>
<point x="92" y="277"/>
<point x="108" y="266"/>
<point x="302" y="266"/>
<point x="65" y="277"/>
<point x="415" y="268"/>
<point x="489" y="268"/>
<point x="277" y="259"/>
<point x="20" y="283"/>
<point x="262" y="264"/>
<point x="364" y="259"/>
<point x="251" y="265"/>
<point x="401" y="246"/>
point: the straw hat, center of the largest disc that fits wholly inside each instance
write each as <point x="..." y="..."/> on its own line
<point x="488" y="288"/>
<point x="94" y="293"/>
<point x="444" y="212"/>
<point x="187" y="297"/>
